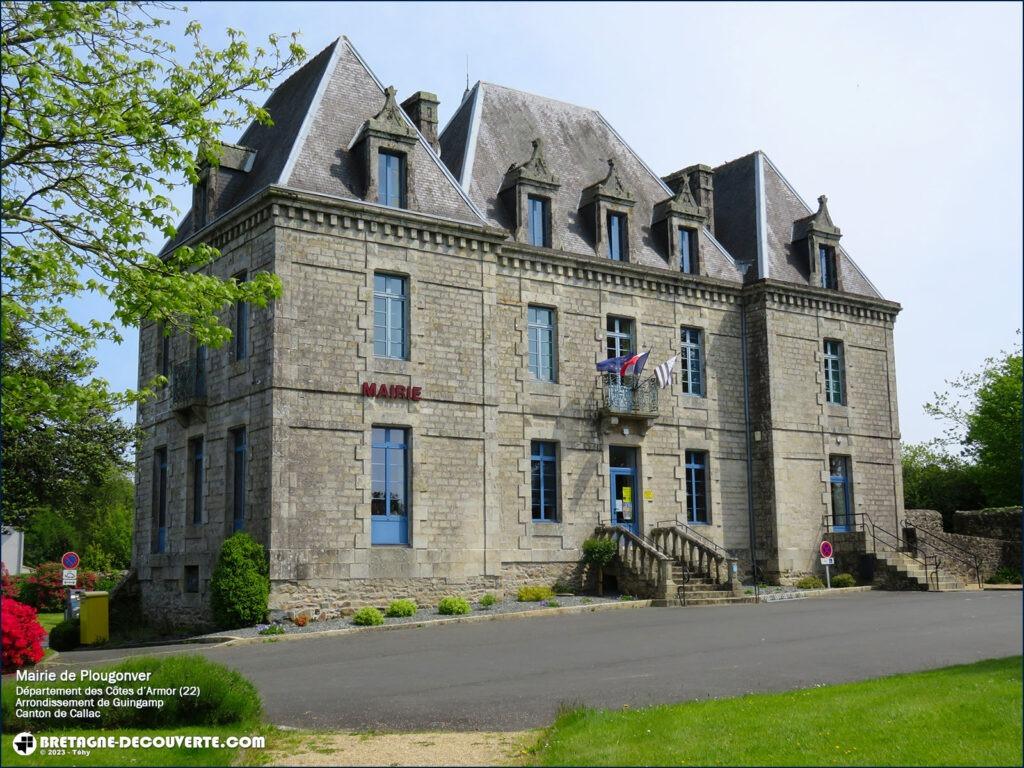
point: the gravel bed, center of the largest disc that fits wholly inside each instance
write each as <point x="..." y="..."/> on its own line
<point x="428" y="613"/>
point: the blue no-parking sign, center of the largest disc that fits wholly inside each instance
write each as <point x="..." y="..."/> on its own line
<point x="70" y="560"/>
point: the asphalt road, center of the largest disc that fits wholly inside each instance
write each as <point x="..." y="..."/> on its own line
<point x="509" y="675"/>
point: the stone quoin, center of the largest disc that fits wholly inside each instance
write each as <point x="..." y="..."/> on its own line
<point x="420" y="412"/>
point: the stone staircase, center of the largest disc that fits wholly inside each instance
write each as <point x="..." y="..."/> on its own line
<point x="676" y="566"/>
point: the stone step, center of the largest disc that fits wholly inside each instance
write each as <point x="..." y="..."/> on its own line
<point x="732" y="600"/>
<point x="704" y="593"/>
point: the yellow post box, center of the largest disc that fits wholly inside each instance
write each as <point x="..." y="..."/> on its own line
<point x="94" y="618"/>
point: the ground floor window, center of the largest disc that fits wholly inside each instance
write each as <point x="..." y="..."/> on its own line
<point x="696" y="487"/>
<point x="839" y="484"/>
<point x="544" y="481"/>
<point x="239" y="461"/>
<point x="389" y="507"/>
<point x="160" y="500"/>
<point x="191" y="578"/>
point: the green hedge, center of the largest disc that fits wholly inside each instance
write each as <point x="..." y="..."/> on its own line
<point x="367" y="617"/>
<point x="841" y="580"/>
<point x="65" y="636"/>
<point x="240" y="586"/>
<point x="225" y="697"/>
<point x="534" y="594"/>
<point x="399" y="608"/>
<point x="810" y="582"/>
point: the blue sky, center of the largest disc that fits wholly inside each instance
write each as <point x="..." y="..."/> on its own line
<point x="907" y="116"/>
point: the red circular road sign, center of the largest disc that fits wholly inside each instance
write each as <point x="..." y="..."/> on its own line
<point x="825" y="549"/>
<point x="70" y="560"/>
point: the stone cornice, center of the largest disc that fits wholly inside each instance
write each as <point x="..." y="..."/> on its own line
<point x="784" y="294"/>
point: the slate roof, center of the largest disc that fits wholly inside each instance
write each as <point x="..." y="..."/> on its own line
<point x="736" y="204"/>
<point x="494" y="127"/>
<point x="317" y="113"/>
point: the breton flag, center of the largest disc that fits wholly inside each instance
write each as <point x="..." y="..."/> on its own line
<point x="664" y="372"/>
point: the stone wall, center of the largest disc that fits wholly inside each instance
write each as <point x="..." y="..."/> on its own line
<point x="992" y="553"/>
<point x="995" y="523"/>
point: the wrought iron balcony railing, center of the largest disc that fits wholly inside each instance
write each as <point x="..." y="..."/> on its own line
<point x="188" y="384"/>
<point x="624" y="396"/>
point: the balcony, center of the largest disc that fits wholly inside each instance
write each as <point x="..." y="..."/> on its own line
<point x="188" y="390"/>
<point x="625" y="402"/>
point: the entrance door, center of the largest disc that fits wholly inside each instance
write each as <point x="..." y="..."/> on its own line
<point x="625" y="497"/>
<point x="839" y="484"/>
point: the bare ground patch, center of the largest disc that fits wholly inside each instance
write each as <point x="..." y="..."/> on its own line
<point x="401" y="749"/>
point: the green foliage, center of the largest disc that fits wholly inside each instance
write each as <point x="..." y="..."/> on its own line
<point x="933" y="479"/>
<point x="983" y="410"/>
<point x="599" y="552"/>
<point x="562" y="587"/>
<point x="401" y="608"/>
<point x="1004" y="575"/>
<point x="101" y="119"/>
<point x="240" y="587"/>
<point x="899" y="720"/>
<point x="65" y="636"/>
<point x="534" y="594"/>
<point x="488" y="600"/>
<point x="272" y="629"/>
<point x="553" y="603"/>
<point x="841" y="580"/>
<point x="225" y="697"/>
<point x="453" y="606"/>
<point x="810" y="582"/>
<point x="367" y="617"/>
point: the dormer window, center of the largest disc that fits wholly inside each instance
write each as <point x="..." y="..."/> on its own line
<point x="827" y="267"/>
<point x="383" y="147"/>
<point x="391" y="176"/>
<point x="605" y="206"/>
<point x="539" y="221"/>
<point x="687" y="250"/>
<point x="678" y="222"/>
<point x="526" y="193"/>
<point x="816" y="238"/>
<point x="217" y="165"/>
<point x="618" y="237"/>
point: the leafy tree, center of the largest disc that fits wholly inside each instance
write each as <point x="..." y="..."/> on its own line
<point x="933" y="479"/>
<point x="61" y="433"/>
<point x="984" y="414"/>
<point x="100" y="118"/>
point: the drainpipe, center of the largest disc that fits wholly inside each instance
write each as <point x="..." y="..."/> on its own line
<point x="751" y="522"/>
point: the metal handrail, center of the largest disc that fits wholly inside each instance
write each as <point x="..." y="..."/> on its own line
<point x="968" y="558"/>
<point x="862" y="522"/>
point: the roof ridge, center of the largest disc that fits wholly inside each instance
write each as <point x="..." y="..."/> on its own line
<point x="314" y="107"/>
<point x="538" y="96"/>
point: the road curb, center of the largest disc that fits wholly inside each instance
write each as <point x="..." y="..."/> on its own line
<point x="566" y="610"/>
<point x="781" y="597"/>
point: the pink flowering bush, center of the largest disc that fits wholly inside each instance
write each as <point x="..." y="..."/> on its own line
<point x="22" y="635"/>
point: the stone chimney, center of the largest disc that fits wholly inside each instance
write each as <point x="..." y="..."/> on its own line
<point x="421" y="108"/>
<point x="702" y="187"/>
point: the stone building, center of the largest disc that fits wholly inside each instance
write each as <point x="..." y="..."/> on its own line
<point x="420" y="413"/>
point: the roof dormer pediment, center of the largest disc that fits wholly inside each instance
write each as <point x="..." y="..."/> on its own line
<point x="388" y="124"/>
<point x="819" y="223"/>
<point x="610" y="189"/>
<point x="534" y="171"/>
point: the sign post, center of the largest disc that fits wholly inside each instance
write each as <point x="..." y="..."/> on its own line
<point x="70" y="561"/>
<point x="827" y="560"/>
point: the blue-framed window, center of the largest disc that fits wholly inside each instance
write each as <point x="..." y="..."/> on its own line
<point x="389" y="505"/>
<point x="390" y="315"/>
<point x="391" y="179"/>
<point x="239" y="467"/>
<point x="241" y="328"/>
<point x="618" y="237"/>
<point x="163" y="350"/>
<point x="544" y="480"/>
<point x="160" y="500"/>
<point x="541" y="329"/>
<point x="691" y="369"/>
<point x="195" y="450"/>
<point x="835" y="374"/>
<point x="697" y="487"/>
<point x="539" y="228"/>
<point x="687" y="251"/>
<point x="841" y="492"/>
<point x="827" y="266"/>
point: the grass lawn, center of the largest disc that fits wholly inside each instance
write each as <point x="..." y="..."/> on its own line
<point x="963" y="715"/>
<point x="155" y="757"/>
<point x="50" y="620"/>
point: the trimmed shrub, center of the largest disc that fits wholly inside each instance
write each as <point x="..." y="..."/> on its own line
<point x="599" y="553"/>
<point x="367" y="617"/>
<point x="401" y="608"/>
<point x="841" y="580"/>
<point x="240" y="587"/>
<point x="22" y="634"/>
<point x="564" y="587"/>
<point x="225" y="697"/>
<point x="66" y="635"/>
<point x="453" y="606"/>
<point x="534" y="594"/>
<point x="488" y="600"/>
<point x="44" y="590"/>
<point x="810" y="582"/>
